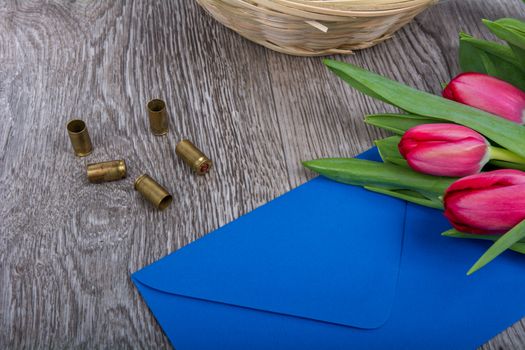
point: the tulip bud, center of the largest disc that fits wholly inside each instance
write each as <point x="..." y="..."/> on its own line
<point x="486" y="203"/>
<point x="444" y="149"/>
<point x="489" y="94"/>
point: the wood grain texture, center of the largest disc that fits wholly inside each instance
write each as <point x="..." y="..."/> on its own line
<point x="67" y="247"/>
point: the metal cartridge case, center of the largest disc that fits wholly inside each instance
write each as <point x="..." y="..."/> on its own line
<point x="153" y="192"/>
<point x="193" y="157"/>
<point x="158" y="117"/>
<point x="79" y="136"/>
<point x="106" y="171"/>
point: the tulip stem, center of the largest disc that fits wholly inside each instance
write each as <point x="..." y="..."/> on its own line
<point x="506" y="155"/>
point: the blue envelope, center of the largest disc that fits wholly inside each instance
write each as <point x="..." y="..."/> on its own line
<point x="333" y="266"/>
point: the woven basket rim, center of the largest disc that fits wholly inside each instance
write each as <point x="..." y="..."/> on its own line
<point x="315" y="27"/>
<point x="342" y="8"/>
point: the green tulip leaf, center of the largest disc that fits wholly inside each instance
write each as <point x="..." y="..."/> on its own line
<point x="397" y="161"/>
<point x="503" y="243"/>
<point x="499" y="130"/>
<point x="513" y="32"/>
<point x="507" y="165"/>
<point x="376" y="174"/>
<point x="469" y="54"/>
<point x="389" y="151"/>
<point x="499" y="51"/>
<point x="517" y="247"/>
<point x="490" y="58"/>
<point x="409" y="196"/>
<point x="398" y="123"/>
<point x="513" y="24"/>
<point x="491" y="68"/>
<point x="503" y="70"/>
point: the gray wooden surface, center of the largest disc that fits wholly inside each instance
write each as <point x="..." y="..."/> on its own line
<point x="67" y="247"/>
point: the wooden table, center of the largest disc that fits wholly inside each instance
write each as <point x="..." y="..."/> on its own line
<point x="67" y="247"/>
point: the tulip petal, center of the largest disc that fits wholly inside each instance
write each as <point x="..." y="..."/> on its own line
<point x="442" y="132"/>
<point x="425" y="162"/>
<point x="488" y="94"/>
<point x="502" y="177"/>
<point x="493" y="210"/>
<point x="448" y="154"/>
<point x="486" y="203"/>
<point x="444" y="149"/>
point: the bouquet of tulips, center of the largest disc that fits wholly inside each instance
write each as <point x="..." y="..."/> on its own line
<point x="463" y="152"/>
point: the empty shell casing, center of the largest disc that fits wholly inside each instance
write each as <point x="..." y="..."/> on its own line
<point x="193" y="157"/>
<point x="153" y="192"/>
<point x="106" y="171"/>
<point x="79" y="136"/>
<point x="158" y="117"/>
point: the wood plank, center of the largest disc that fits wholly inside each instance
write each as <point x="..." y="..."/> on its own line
<point x="67" y="247"/>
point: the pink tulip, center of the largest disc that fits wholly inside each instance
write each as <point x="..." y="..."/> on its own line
<point x="487" y="203"/>
<point x="489" y="94"/>
<point x="444" y="150"/>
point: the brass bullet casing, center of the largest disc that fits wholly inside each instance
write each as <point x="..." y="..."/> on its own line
<point x="193" y="157"/>
<point x="106" y="171"/>
<point x="79" y="136"/>
<point x="158" y="117"/>
<point x="153" y="192"/>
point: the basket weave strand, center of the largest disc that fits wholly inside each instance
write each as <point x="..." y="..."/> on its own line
<point x="315" y="27"/>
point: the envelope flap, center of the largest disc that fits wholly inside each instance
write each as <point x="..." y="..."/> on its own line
<point x="323" y="251"/>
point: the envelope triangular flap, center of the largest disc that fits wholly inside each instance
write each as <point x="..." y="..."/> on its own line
<point x="324" y="251"/>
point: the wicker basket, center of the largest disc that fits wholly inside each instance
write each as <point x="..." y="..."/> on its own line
<point x="315" y="27"/>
